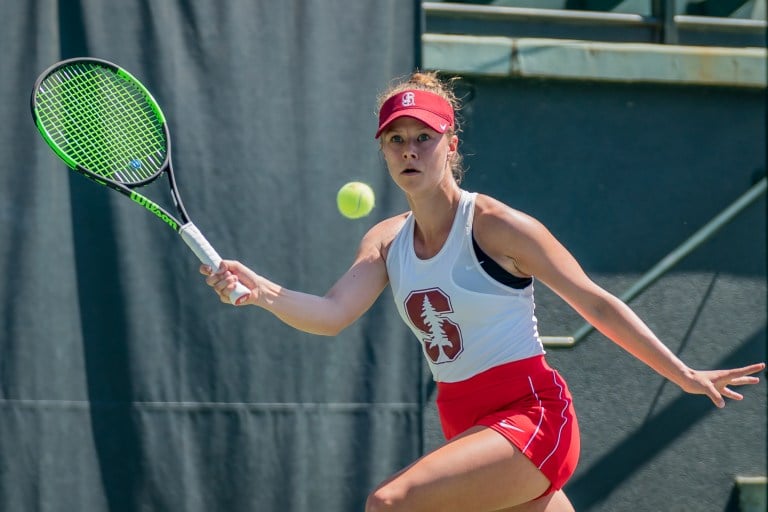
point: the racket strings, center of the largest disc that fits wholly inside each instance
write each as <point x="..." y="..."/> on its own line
<point x="103" y="122"/>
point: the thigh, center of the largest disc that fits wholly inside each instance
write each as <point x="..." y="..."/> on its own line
<point x="477" y="471"/>
<point x="554" y="502"/>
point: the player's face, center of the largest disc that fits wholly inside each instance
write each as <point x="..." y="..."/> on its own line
<point x="416" y="155"/>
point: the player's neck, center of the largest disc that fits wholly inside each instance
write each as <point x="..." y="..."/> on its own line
<point x="433" y="215"/>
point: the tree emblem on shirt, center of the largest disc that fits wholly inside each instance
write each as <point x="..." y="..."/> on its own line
<point x="430" y="312"/>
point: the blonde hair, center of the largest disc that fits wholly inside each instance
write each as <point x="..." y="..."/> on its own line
<point x="430" y="81"/>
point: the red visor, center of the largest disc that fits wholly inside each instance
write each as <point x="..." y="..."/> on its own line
<point x="429" y="108"/>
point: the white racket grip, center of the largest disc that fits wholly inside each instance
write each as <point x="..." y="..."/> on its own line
<point x="208" y="255"/>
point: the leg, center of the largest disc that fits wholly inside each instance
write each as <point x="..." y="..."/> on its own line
<point x="555" y="502"/>
<point x="478" y="471"/>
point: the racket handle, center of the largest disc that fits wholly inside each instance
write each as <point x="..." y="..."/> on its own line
<point x="208" y="255"/>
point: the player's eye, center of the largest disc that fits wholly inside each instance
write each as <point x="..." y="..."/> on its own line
<point x="395" y="138"/>
<point x="423" y="137"/>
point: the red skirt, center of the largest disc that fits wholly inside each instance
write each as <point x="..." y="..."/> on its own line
<point x="525" y="401"/>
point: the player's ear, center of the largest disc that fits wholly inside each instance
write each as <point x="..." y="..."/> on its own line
<point x="453" y="143"/>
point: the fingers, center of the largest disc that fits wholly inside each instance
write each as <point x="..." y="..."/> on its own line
<point x="745" y="370"/>
<point x="715" y="396"/>
<point x="728" y="392"/>
<point x="752" y="368"/>
<point x="718" y="387"/>
<point x="742" y="381"/>
<point x="221" y="280"/>
<point x="206" y="270"/>
<point x="742" y="376"/>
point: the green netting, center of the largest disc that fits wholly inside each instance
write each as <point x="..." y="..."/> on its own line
<point x="103" y="121"/>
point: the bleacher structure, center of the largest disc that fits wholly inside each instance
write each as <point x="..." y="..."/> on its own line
<point x="718" y="42"/>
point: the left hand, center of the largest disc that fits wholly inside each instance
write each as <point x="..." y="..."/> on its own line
<point x="715" y="383"/>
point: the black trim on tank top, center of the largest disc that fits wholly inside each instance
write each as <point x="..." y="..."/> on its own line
<point x="496" y="271"/>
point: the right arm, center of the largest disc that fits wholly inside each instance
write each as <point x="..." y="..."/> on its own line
<point x="351" y="296"/>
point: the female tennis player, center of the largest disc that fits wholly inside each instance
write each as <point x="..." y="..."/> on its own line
<point x="461" y="267"/>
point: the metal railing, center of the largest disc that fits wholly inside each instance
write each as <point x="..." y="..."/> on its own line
<point x="662" y="26"/>
<point x="670" y="260"/>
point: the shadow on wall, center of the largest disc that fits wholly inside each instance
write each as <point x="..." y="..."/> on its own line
<point x="596" y="483"/>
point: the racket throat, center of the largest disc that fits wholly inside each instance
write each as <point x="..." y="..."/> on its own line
<point x="155" y="209"/>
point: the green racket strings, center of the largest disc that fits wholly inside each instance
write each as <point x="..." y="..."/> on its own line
<point x="102" y="121"/>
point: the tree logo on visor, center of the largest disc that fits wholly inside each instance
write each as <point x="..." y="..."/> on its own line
<point x="429" y="311"/>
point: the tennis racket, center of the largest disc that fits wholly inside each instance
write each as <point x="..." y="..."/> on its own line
<point x="104" y="124"/>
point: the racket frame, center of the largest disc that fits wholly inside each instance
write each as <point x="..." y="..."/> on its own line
<point x="181" y="224"/>
<point x="127" y="189"/>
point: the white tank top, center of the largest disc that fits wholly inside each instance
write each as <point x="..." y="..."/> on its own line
<point x="466" y="321"/>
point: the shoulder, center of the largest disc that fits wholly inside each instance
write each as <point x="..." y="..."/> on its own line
<point x="509" y="236"/>
<point x="382" y="234"/>
<point x="494" y="218"/>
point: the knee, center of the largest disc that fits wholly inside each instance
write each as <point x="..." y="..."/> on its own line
<point x="385" y="499"/>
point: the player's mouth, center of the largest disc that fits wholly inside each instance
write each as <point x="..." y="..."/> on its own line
<point x="410" y="171"/>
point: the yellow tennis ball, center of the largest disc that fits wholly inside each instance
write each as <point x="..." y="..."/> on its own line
<point x="355" y="200"/>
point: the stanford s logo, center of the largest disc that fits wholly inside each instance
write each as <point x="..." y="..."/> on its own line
<point x="429" y="310"/>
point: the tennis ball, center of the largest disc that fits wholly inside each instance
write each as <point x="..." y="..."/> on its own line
<point x="355" y="200"/>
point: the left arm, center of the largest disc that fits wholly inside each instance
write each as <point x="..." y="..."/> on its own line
<point x="524" y="246"/>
